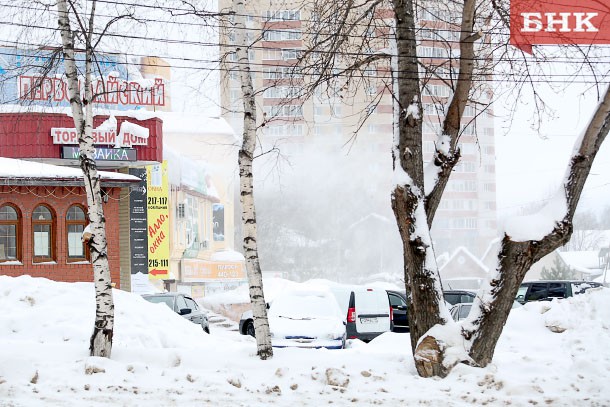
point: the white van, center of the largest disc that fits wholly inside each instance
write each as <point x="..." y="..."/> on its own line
<point x="367" y="310"/>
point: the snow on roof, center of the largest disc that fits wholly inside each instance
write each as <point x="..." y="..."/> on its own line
<point x="370" y="216"/>
<point x="583" y="261"/>
<point x="227" y="255"/>
<point x="465" y="251"/>
<point x="11" y="168"/>
<point x="190" y="123"/>
<point x="492" y="246"/>
<point x="194" y="175"/>
<point x="138" y="114"/>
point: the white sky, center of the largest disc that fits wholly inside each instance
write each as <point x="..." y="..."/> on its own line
<point x="161" y="359"/>
<point x="530" y="167"/>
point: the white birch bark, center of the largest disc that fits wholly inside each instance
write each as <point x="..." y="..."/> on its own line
<point x="246" y="183"/>
<point x="101" y="338"/>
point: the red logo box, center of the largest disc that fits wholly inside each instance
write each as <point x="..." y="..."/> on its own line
<point x="546" y="22"/>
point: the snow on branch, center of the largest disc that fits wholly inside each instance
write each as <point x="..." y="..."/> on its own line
<point x="540" y="224"/>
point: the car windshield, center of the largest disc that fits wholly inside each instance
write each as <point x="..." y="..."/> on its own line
<point x="165" y="299"/>
<point x="521" y="293"/>
<point x="304" y="306"/>
<point x="465" y="310"/>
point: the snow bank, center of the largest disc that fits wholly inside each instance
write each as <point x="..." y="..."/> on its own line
<point x="160" y="359"/>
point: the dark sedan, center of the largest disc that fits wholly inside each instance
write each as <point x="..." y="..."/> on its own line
<point x="182" y="305"/>
<point x="398" y="302"/>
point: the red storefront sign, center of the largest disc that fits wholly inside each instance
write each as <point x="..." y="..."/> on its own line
<point x="30" y="135"/>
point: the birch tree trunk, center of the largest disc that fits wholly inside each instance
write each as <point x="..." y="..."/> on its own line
<point x="101" y="339"/>
<point x="246" y="183"/>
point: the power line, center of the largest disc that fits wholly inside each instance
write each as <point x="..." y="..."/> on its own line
<point x="215" y="14"/>
<point x="275" y="48"/>
<point x="261" y="30"/>
<point x="548" y="78"/>
<point x="348" y="74"/>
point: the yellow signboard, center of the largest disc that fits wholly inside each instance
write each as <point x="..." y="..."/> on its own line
<point x="195" y="270"/>
<point x="157" y="187"/>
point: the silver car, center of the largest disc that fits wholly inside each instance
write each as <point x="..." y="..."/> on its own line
<point x="182" y="305"/>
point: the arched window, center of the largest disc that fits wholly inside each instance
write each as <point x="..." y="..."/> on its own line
<point x="10" y="228"/>
<point x="43" y="229"/>
<point x="75" y="224"/>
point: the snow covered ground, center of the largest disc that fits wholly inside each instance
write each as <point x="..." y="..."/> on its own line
<point x="160" y="359"/>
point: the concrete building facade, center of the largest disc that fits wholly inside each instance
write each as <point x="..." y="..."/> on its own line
<point x="467" y="215"/>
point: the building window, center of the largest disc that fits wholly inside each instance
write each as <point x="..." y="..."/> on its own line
<point x="458" y="204"/>
<point x="282" y="15"/>
<point x="465" y="166"/>
<point x="283" y="111"/>
<point x="180" y="211"/>
<point x="489" y="187"/>
<point x="10" y="225"/>
<point x="432" y="52"/>
<point x="470" y="111"/>
<point x="43" y="230"/>
<point x="75" y="224"/>
<point x="429" y="147"/>
<point x="283" y="130"/>
<point x="282" y="35"/>
<point x="468" y="148"/>
<point x="436" y="90"/>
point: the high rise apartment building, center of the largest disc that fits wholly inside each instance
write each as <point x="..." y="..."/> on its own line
<point x="467" y="214"/>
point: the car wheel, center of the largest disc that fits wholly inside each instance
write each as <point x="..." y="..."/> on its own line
<point x="250" y="329"/>
<point x="206" y="329"/>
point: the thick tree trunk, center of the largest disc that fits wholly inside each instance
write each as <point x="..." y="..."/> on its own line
<point x="246" y="155"/>
<point x="515" y="258"/>
<point x="101" y="338"/>
<point x="421" y="276"/>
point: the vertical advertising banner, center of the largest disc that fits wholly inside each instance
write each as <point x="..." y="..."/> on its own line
<point x="158" y="221"/>
<point x="138" y="233"/>
<point x="138" y="224"/>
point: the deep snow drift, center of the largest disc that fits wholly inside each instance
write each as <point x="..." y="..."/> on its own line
<point x="160" y="359"/>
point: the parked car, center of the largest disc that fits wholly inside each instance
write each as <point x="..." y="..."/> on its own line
<point x="547" y="290"/>
<point x="461" y="310"/>
<point x="367" y="311"/>
<point x="246" y="323"/>
<point x="459" y="296"/>
<point x="398" y="302"/>
<point x="182" y="305"/>
<point x="308" y="319"/>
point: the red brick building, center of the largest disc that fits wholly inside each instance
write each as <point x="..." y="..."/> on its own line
<point x="43" y="207"/>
